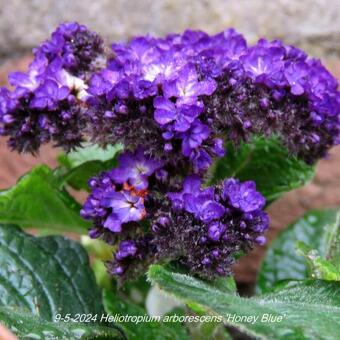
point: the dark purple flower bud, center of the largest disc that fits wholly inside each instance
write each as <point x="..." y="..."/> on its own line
<point x="7" y="119"/>
<point x="203" y="240"/>
<point x="92" y="183"/>
<point x="168" y="147"/>
<point x="206" y="261"/>
<point x="215" y="231"/>
<point x="261" y="240"/>
<point x="163" y="221"/>
<point x="93" y="233"/>
<point x="126" y="249"/>
<point x="243" y="225"/>
<point x="109" y="114"/>
<point x="118" y="271"/>
<point x="215" y="253"/>
<point x="264" y="103"/>
<point x="316" y="118"/>
<point x="162" y="175"/>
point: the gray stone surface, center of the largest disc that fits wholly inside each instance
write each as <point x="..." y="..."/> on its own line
<point x="311" y="24"/>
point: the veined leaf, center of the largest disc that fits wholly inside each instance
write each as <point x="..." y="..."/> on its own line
<point x="83" y="163"/>
<point x="266" y="162"/>
<point x="28" y="326"/>
<point x="38" y="201"/>
<point x="302" y="310"/>
<point x="46" y="275"/>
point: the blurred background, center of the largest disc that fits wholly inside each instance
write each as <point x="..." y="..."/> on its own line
<point x="313" y="25"/>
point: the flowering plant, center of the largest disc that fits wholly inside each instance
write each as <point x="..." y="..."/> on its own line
<point x="181" y="142"/>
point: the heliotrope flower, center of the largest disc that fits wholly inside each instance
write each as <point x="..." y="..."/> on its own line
<point x="186" y="87"/>
<point x="202" y="228"/>
<point x="47" y="102"/>
<point x="180" y="118"/>
<point x="118" y="196"/>
<point x="242" y="196"/>
<point x="134" y="169"/>
<point x="276" y="90"/>
<point x="75" y="44"/>
<point x="152" y="91"/>
<point x="132" y="257"/>
<point x="126" y="206"/>
<point x="208" y="227"/>
<point x="172" y="102"/>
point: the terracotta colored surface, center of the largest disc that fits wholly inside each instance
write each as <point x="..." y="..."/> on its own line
<point x="322" y="192"/>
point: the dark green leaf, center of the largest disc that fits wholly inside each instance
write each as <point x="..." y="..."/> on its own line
<point x="153" y="330"/>
<point x="308" y="309"/>
<point x="212" y="330"/>
<point x="137" y="290"/>
<point x="267" y="163"/>
<point x="80" y="165"/>
<point x="28" y="326"/>
<point x="38" y="201"/>
<point x="282" y="262"/>
<point x="46" y="275"/>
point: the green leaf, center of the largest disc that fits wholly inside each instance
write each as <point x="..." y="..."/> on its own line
<point x="89" y="153"/>
<point x="83" y="163"/>
<point x="320" y="268"/>
<point x="46" y="275"/>
<point x="38" y="201"/>
<point x="282" y="263"/>
<point x="266" y="162"/>
<point x="28" y="326"/>
<point x="137" y="290"/>
<point x="212" y="330"/>
<point x="308" y="310"/>
<point x="332" y="237"/>
<point x="226" y="284"/>
<point x="151" y="330"/>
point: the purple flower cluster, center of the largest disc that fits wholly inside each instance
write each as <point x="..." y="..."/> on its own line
<point x="187" y="90"/>
<point x="156" y="86"/>
<point x="79" y="49"/>
<point x="172" y="102"/>
<point x="47" y="101"/>
<point x="178" y="96"/>
<point x="274" y="89"/>
<point x="207" y="227"/>
<point x="202" y="228"/>
<point x="118" y="205"/>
